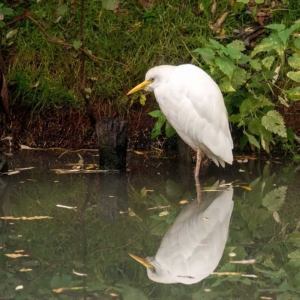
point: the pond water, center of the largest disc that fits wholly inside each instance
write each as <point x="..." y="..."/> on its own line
<point x="68" y="236"/>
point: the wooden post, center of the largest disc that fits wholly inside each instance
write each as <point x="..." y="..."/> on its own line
<point x="112" y="196"/>
<point x="184" y="151"/>
<point x="112" y="137"/>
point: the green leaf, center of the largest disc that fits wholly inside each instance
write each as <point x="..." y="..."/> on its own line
<point x="252" y="140"/>
<point x="156" y="130"/>
<point x="243" y="1"/>
<point x="266" y="138"/>
<point x="277" y="27"/>
<point x="294" y="93"/>
<point x="208" y="55"/>
<point x="297" y="42"/>
<point x="173" y="189"/>
<point x="77" y="44"/>
<point x="273" y="42"/>
<point x="274" y="199"/>
<point x="216" y="44"/>
<point x="294" y="238"/>
<point x="254" y="126"/>
<point x="170" y="131"/>
<point x="285" y="34"/>
<point x="238" y="78"/>
<point x="233" y="53"/>
<point x="225" y="85"/>
<point x="262" y="101"/>
<point x="255" y="64"/>
<point x="109" y="4"/>
<point x="62" y="9"/>
<point x="235" y="118"/>
<point x="156" y="113"/>
<point x="6" y="11"/>
<point x="58" y="281"/>
<point x="244" y="59"/>
<point x="268" y="61"/>
<point x="295" y="258"/>
<point x="294" y="75"/>
<point x="294" y="61"/>
<point x="237" y="44"/>
<point x="273" y="121"/>
<point x="96" y="286"/>
<point x="130" y="293"/>
<point x="226" y="66"/>
<point x="246" y="107"/>
<point x="143" y="99"/>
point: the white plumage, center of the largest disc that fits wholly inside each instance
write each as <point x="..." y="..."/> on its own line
<point x="193" y="104"/>
<point x="193" y="246"/>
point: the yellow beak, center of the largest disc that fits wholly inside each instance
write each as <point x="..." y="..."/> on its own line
<point x="143" y="261"/>
<point x="140" y="86"/>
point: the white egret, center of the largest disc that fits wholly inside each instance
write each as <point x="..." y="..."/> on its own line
<point x="194" y="245"/>
<point x="193" y="104"/>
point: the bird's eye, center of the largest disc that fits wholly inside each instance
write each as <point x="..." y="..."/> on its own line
<point x="154" y="270"/>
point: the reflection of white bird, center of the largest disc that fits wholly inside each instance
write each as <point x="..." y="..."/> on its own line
<point x="193" y="246"/>
<point x="193" y="104"/>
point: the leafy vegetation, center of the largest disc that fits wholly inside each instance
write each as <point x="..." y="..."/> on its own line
<point x="253" y="84"/>
<point x="122" y="41"/>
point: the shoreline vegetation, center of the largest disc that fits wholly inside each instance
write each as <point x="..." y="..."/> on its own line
<point x="66" y="65"/>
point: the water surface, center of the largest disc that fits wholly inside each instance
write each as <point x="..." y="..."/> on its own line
<point x="68" y="236"/>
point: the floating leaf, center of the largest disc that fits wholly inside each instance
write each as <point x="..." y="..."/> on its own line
<point x="14" y="255"/>
<point x="25" y="218"/>
<point x="163" y="213"/>
<point x="274" y="199"/>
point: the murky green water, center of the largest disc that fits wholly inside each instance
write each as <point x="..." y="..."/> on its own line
<point x="82" y="251"/>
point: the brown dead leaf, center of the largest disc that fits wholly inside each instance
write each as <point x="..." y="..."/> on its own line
<point x="213" y="9"/>
<point x="276" y="217"/>
<point x="219" y="22"/>
<point x="248" y="188"/>
<point x="163" y="213"/>
<point x="13" y="255"/>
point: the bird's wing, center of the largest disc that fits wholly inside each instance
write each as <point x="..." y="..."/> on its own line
<point x="192" y="248"/>
<point x="195" y="107"/>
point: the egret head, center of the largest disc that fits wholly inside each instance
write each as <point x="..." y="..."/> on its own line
<point x="154" y="271"/>
<point x="154" y="77"/>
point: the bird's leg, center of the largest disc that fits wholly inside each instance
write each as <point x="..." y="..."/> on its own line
<point x="197" y="169"/>
<point x="198" y="162"/>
